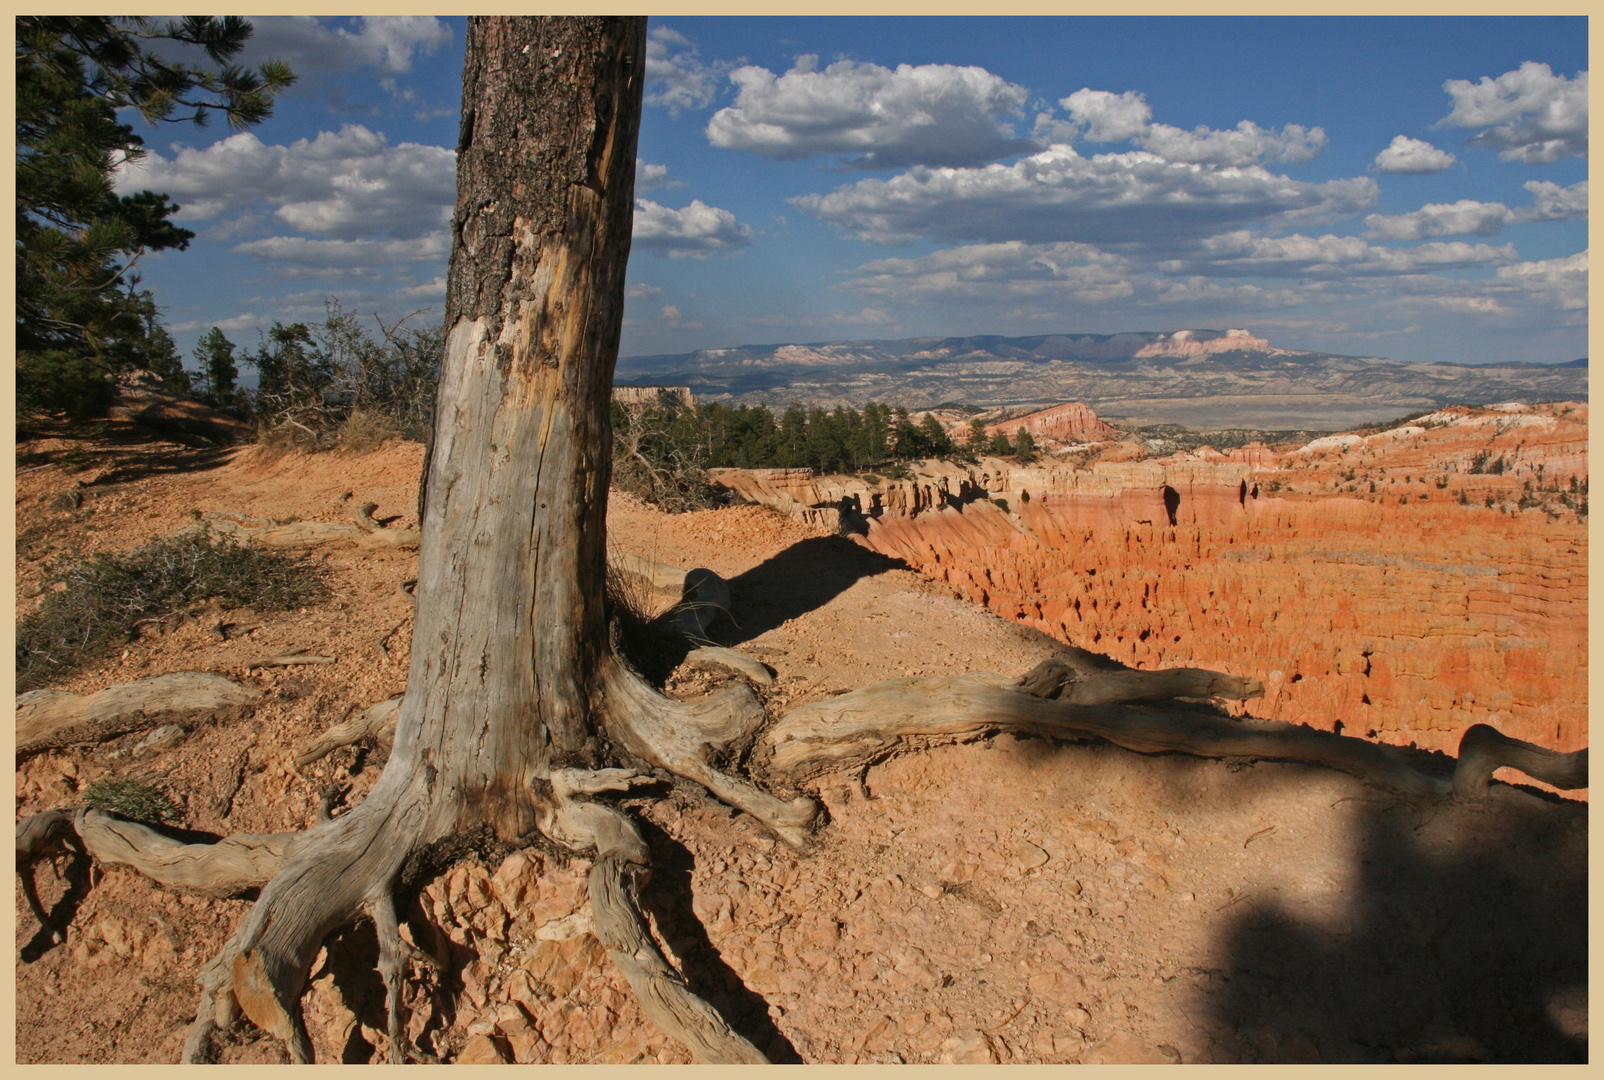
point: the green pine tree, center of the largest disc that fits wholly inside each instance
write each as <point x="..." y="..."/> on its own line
<point x="80" y="315"/>
<point x="975" y="443"/>
<point x="219" y="372"/>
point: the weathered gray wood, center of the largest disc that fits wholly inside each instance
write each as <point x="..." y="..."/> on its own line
<point x="622" y="861"/>
<point x="715" y="656"/>
<point x="1085" y="685"/>
<point x="228" y="867"/>
<point x="848" y="732"/>
<point x="363" y="532"/>
<point x="48" y="719"/>
<point x="680" y="736"/>
<point x="377" y="721"/>
<point x="1483" y="750"/>
<point x="509" y="634"/>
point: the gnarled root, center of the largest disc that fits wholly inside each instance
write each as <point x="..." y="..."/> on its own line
<point x="377" y="721"/>
<point x="681" y="736"/>
<point x="49" y="719"/>
<point x="1081" y="684"/>
<point x="44" y="836"/>
<point x="363" y="531"/>
<point x="623" y="863"/>
<point x="716" y="656"/>
<point x="1483" y="750"/>
<point x="854" y="730"/>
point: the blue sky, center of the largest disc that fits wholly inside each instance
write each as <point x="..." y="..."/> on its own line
<point x="1412" y="188"/>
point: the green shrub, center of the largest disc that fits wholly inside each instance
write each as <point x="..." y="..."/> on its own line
<point x="135" y="800"/>
<point x="105" y="598"/>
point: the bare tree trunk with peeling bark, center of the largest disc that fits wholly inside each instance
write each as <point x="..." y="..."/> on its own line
<point x="518" y="712"/>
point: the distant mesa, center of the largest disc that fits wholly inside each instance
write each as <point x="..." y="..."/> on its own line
<point x="1187" y="343"/>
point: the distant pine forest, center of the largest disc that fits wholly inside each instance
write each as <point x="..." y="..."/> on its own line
<point x="662" y="452"/>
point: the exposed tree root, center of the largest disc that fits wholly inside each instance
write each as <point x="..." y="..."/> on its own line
<point x="362" y="530"/>
<point x="849" y="732"/>
<point x="622" y="866"/>
<point x="1483" y="750"/>
<point x="682" y="736"/>
<point x="377" y="721"/>
<point x="716" y="656"/>
<point x="50" y="719"/>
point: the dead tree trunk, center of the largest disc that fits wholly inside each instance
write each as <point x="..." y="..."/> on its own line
<point x="498" y="728"/>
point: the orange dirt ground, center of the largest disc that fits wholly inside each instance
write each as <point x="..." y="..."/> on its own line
<point x="1009" y="899"/>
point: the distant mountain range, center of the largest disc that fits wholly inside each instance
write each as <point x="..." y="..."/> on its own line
<point x="1202" y="379"/>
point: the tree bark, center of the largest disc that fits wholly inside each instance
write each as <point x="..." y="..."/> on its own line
<point x="510" y="629"/>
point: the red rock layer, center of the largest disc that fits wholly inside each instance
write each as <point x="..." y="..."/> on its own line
<point x="1071" y="422"/>
<point x="1364" y="579"/>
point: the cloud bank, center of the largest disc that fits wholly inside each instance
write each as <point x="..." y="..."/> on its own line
<point x="697" y="231"/>
<point x="931" y="114"/>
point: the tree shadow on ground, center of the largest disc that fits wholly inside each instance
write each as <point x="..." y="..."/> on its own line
<point x="126" y="452"/>
<point x="669" y="901"/>
<point x="1465" y="941"/>
<point x="805" y="576"/>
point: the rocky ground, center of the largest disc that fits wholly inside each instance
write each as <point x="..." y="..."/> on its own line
<point x="1009" y="899"/>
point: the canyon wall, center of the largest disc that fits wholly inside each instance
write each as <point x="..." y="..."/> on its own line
<point x="1364" y="578"/>
<point x="1071" y="422"/>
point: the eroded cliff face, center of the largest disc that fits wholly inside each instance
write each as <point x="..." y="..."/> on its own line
<point x="1071" y="422"/>
<point x="1364" y="578"/>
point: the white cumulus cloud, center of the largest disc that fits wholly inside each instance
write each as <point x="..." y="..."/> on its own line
<point x="1240" y="253"/>
<point x="697" y="231"/>
<point x="229" y="325"/>
<point x="1560" y="283"/>
<point x="1467" y="217"/>
<point x="649" y="176"/>
<point x="1530" y="114"/>
<point x="676" y="77"/>
<point x="1103" y="116"/>
<point x="1135" y="198"/>
<point x="1406" y="155"/>
<point x="933" y="114"/>
<point x="345" y="184"/>
<point x="299" y="256"/>
<point x="312" y="48"/>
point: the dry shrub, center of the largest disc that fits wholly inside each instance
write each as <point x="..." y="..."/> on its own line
<point x="106" y="598"/>
<point x="136" y="800"/>
<point x="366" y="430"/>
<point x="276" y="440"/>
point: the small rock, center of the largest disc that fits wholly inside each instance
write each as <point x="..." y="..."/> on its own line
<point x="1028" y="856"/>
<point x="932" y="891"/>
<point x="163" y="738"/>
<point x="481" y="1050"/>
<point x="970" y="1048"/>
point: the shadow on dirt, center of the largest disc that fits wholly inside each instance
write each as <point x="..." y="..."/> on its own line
<point x="805" y="576"/>
<point x="669" y="901"/>
<point x="126" y="452"/>
<point x="1465" y="941"/>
